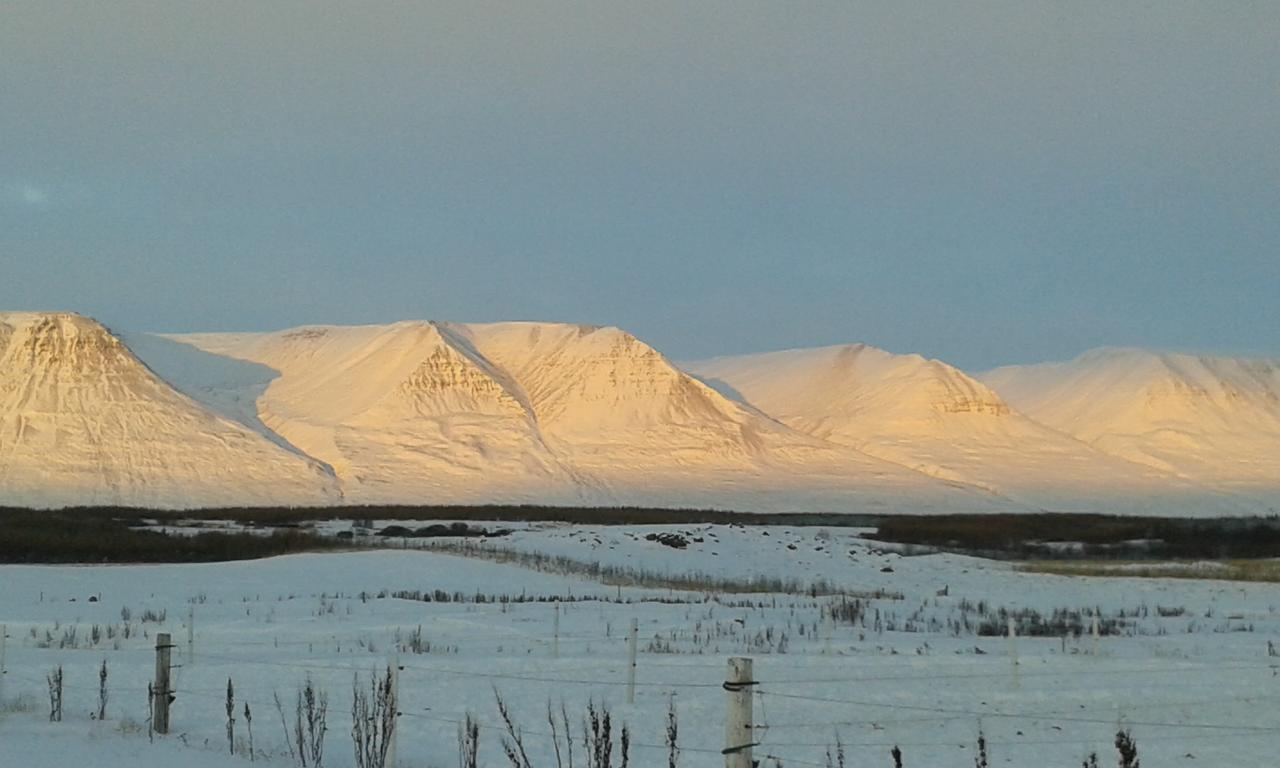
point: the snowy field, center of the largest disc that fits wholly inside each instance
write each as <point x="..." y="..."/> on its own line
<point x="1183" y="664"/>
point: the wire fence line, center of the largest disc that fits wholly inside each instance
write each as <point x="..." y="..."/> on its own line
<point x="1271" y="667"/>
<point x="769" y="687"/>
<point x="702" y="674"/>
<point x="613" y="682"/>
<point x="951" y="713"/>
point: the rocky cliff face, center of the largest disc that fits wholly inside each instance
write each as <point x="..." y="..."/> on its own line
<point x="448" y="382"/>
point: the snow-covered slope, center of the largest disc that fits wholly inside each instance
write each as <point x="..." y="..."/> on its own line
<point x="1215" y="420"/>
<point x="401" y="412"/>
<point x="930" y="416"/>
<point x="82" y="421"/>
<point x="436" y="412"/>
<point x="636" y="425"/>
<point x="535" y="412"/>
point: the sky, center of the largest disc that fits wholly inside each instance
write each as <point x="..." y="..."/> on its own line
<point x="983" y="182"/>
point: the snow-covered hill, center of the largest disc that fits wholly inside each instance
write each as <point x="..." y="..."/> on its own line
<point x="1214" y="420"/>
<point x="527" y="412"/>
<point x="399" y="412"/>
<point x="930" y="416"/>
<point x="82" y="421"/>
<point x="547" y="413"/>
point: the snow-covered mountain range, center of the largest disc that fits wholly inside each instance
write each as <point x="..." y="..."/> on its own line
<point x="1211" y="420"/>
<point x="435" y="412"/>
<point x="931" y="417"/>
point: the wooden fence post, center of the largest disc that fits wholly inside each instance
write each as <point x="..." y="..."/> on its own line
<point x="631" y="662"/>
<point x="160" y="714"/>
<point x="1013" y="652"/>
<point x="395" y="714"/>
<point x="555" y="638"/>
<point x="4" y="635"/>
<point x="739" y="729"/>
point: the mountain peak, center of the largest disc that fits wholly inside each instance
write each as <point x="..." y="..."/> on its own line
<point x="82" y="420"/>
<point x="868" y="387"/>
<point x="927" y="415"/>
<point x="1212" y="419"/>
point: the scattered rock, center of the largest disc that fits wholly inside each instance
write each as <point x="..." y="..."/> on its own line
<point x="440" y="530"/>
<point x="673" y="540"/>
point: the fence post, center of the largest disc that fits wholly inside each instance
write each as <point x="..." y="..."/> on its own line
<point x="1013" y="651"/>
<point x="739" y="731"/>
<point x="555" y="638"/>
<point x="1093" y="629"/>
<point x="395" y="714"/>
<point x="631" y="662"/>
<point x="160" y="715"/>
<point x="191" y="635"/>
<point x="4" y="635"/>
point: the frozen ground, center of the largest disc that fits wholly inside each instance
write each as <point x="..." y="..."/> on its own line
<point x="1185" y="664"/>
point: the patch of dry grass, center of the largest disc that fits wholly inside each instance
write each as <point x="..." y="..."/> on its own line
<point x="1260" y="570"/>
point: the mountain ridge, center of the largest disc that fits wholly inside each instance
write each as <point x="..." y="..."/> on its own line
<point x="533" y="412"/>
<point x="424" y="411"/>
<point x="1205" y="418"/>
<point x="929" y="415"/>
<point x="82" y="419"/>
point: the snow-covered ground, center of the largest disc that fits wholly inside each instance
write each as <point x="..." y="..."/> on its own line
<point x="1187" y="668"/>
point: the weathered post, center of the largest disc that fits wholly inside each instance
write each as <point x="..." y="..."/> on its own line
<point x="1013" y="651"/>
<point x="160" y="716"/>
<point x="555" y="637"/>
<point x="631" y="662"/>
<point x="4" y="635"/>
<point x="739" y="732"/>
<point x="395" y="712"/>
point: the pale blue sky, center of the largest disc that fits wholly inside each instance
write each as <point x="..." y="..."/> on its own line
<point x="983" y="182"/>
